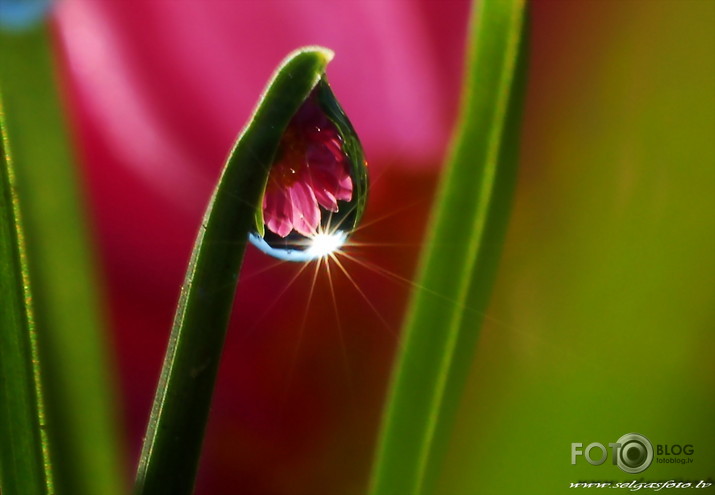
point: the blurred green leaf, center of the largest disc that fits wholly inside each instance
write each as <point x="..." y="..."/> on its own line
<point x="172" y="445"/>
<point x="458" y="267"/>
<point x="81" y="412"/>
<point x="24" y="465"/>
<point x="602" y="321"/>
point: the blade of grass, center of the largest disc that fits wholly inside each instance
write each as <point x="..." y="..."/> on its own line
<point x="24" y="458"/>
<point x="172" y="445"/>
<point x="81" y="411"/>
<point x="460" y="259"/>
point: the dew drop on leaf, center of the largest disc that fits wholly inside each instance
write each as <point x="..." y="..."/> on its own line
<point x="317" y="185"/>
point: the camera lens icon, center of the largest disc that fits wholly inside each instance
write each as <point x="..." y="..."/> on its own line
<point x="635" y="454"/>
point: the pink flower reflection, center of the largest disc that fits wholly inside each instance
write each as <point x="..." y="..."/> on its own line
<point x="311" y="171"/>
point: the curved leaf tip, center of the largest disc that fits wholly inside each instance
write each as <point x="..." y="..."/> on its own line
<point x="313" y="56"/>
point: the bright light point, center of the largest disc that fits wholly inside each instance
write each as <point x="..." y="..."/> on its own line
<point x="322" y="244"/>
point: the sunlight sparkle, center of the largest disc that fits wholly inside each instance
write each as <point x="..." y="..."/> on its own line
<point x="324" y="243"/>
<point x="320" y="245"/>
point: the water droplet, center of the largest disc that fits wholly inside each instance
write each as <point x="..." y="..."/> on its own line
<point x="317" y="186"/>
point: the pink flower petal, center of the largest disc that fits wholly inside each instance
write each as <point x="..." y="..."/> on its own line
<point x="320" y="156"/>
<point x="278" y="211"/>
<point x="335" y="148"/>
<point x="345" y="189"/>
<point x="332" y="180"/>
<point x="306" y="214"/>
<point x="325" y="199"/>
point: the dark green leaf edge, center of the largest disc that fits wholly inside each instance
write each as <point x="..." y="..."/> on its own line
<point x="79" y="390"/>
<point x="459" y="263"/>
<point x="24" y="450"/>
<point x="172" y="445"/>
<point x="352" y="148"/>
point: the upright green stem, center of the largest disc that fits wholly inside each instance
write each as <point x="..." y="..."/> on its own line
<point x="460" y="260"/>
<point x="172" y="446"/>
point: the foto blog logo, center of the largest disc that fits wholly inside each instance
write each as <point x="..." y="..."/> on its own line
<point x="633" y="453"/>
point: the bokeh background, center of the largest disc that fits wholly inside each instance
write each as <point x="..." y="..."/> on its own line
<point x="602" y="319"/>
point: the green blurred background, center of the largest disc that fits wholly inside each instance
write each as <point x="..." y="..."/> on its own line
<point x="602" y="320"/>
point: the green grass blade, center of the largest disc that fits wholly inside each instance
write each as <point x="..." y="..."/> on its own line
<point x="460" y="261"/>
<point x="172" y="446"/>
<point x="24" y="459"/>
<point x="81" y="412"/>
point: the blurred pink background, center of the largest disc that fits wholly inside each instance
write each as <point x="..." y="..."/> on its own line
<point x="158" y="92"/>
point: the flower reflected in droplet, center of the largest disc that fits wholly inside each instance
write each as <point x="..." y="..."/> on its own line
<point x="311" y="171"/>
<point x="317" y="184"/>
